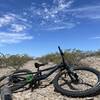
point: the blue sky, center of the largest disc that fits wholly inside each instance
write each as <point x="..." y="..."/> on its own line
<point x="37" y="27"/>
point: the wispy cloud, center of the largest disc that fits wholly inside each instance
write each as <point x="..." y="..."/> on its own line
<point x="60" y="27"/>
<point x="55" y="28"/>
<point x="62" y="4"/>
<point x="94" y="38"/>
<point x="6" y="19"/>
<point x="52" y="17"/>
<point x="17" y="27"/>
<point x="61" y="12"/>
<point x="90" y="12"/>
<point x="14" y="22"/>
<point x="9" y="38"/>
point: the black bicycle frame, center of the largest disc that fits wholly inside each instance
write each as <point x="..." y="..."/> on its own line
<point x="53" y="69"/>
<point x="63" y="65"/>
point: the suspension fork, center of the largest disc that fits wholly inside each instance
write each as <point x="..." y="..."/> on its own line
<point x="73" y="76"/>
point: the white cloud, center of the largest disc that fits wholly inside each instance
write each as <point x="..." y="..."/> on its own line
<point x="54" y="10"/>
<point x="17" y="27"/>
<point x="90" y="12"/>
<point x="14" y="23"/>
<point x="6" y="19"/>
<point x="94" y="38"/>
<point x="62" y="26"/>
<point x="53" y="17"/>
<point x="62" y="4"/>
<point x="55" y="28"/>
<point x="62" y="9"/>
<point x="9" y="38"/>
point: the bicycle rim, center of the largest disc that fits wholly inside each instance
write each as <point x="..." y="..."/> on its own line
<point x="88" y="82"/>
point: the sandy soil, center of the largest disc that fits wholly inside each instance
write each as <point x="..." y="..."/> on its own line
<point x="48" y="92"/>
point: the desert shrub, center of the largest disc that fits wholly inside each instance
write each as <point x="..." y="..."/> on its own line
<point x="17" y="61"/>
<point x="14" y="61"/>
<point x="2" y="61"/>
<point x="71" y="56"/>
<point x="97" y="53"/>
<point x="53" y="57"/>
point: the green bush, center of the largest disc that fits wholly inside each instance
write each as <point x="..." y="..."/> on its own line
<point x="71" y="56"/>
<point x="14" y="61"/>
<point x="2" y="60"/>
<point x="17" y="61"/>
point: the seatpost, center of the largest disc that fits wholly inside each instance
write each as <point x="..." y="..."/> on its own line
<point x="39" y="74"/>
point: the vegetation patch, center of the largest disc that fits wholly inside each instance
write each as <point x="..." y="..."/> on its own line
<point x="15" y="61"/>
<point x="72" y="56"/>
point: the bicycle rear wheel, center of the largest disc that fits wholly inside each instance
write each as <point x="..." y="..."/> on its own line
<point x="88" y="85"/>
<point x="19" y="80"/>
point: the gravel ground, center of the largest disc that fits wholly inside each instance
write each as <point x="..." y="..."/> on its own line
<point x="48" y="92"/>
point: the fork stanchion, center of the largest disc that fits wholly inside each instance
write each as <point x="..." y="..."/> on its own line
<point x="6" y="93"/>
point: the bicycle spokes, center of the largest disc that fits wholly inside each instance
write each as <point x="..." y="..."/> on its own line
<point x="82" y="84"/>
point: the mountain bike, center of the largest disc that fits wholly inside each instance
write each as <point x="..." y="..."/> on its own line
<point x="70" y="81"/>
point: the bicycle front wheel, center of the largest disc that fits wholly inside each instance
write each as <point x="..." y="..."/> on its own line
<point x="88" y="84"/>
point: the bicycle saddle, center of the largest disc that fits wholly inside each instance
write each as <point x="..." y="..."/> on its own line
<point x="37" y="65"/>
